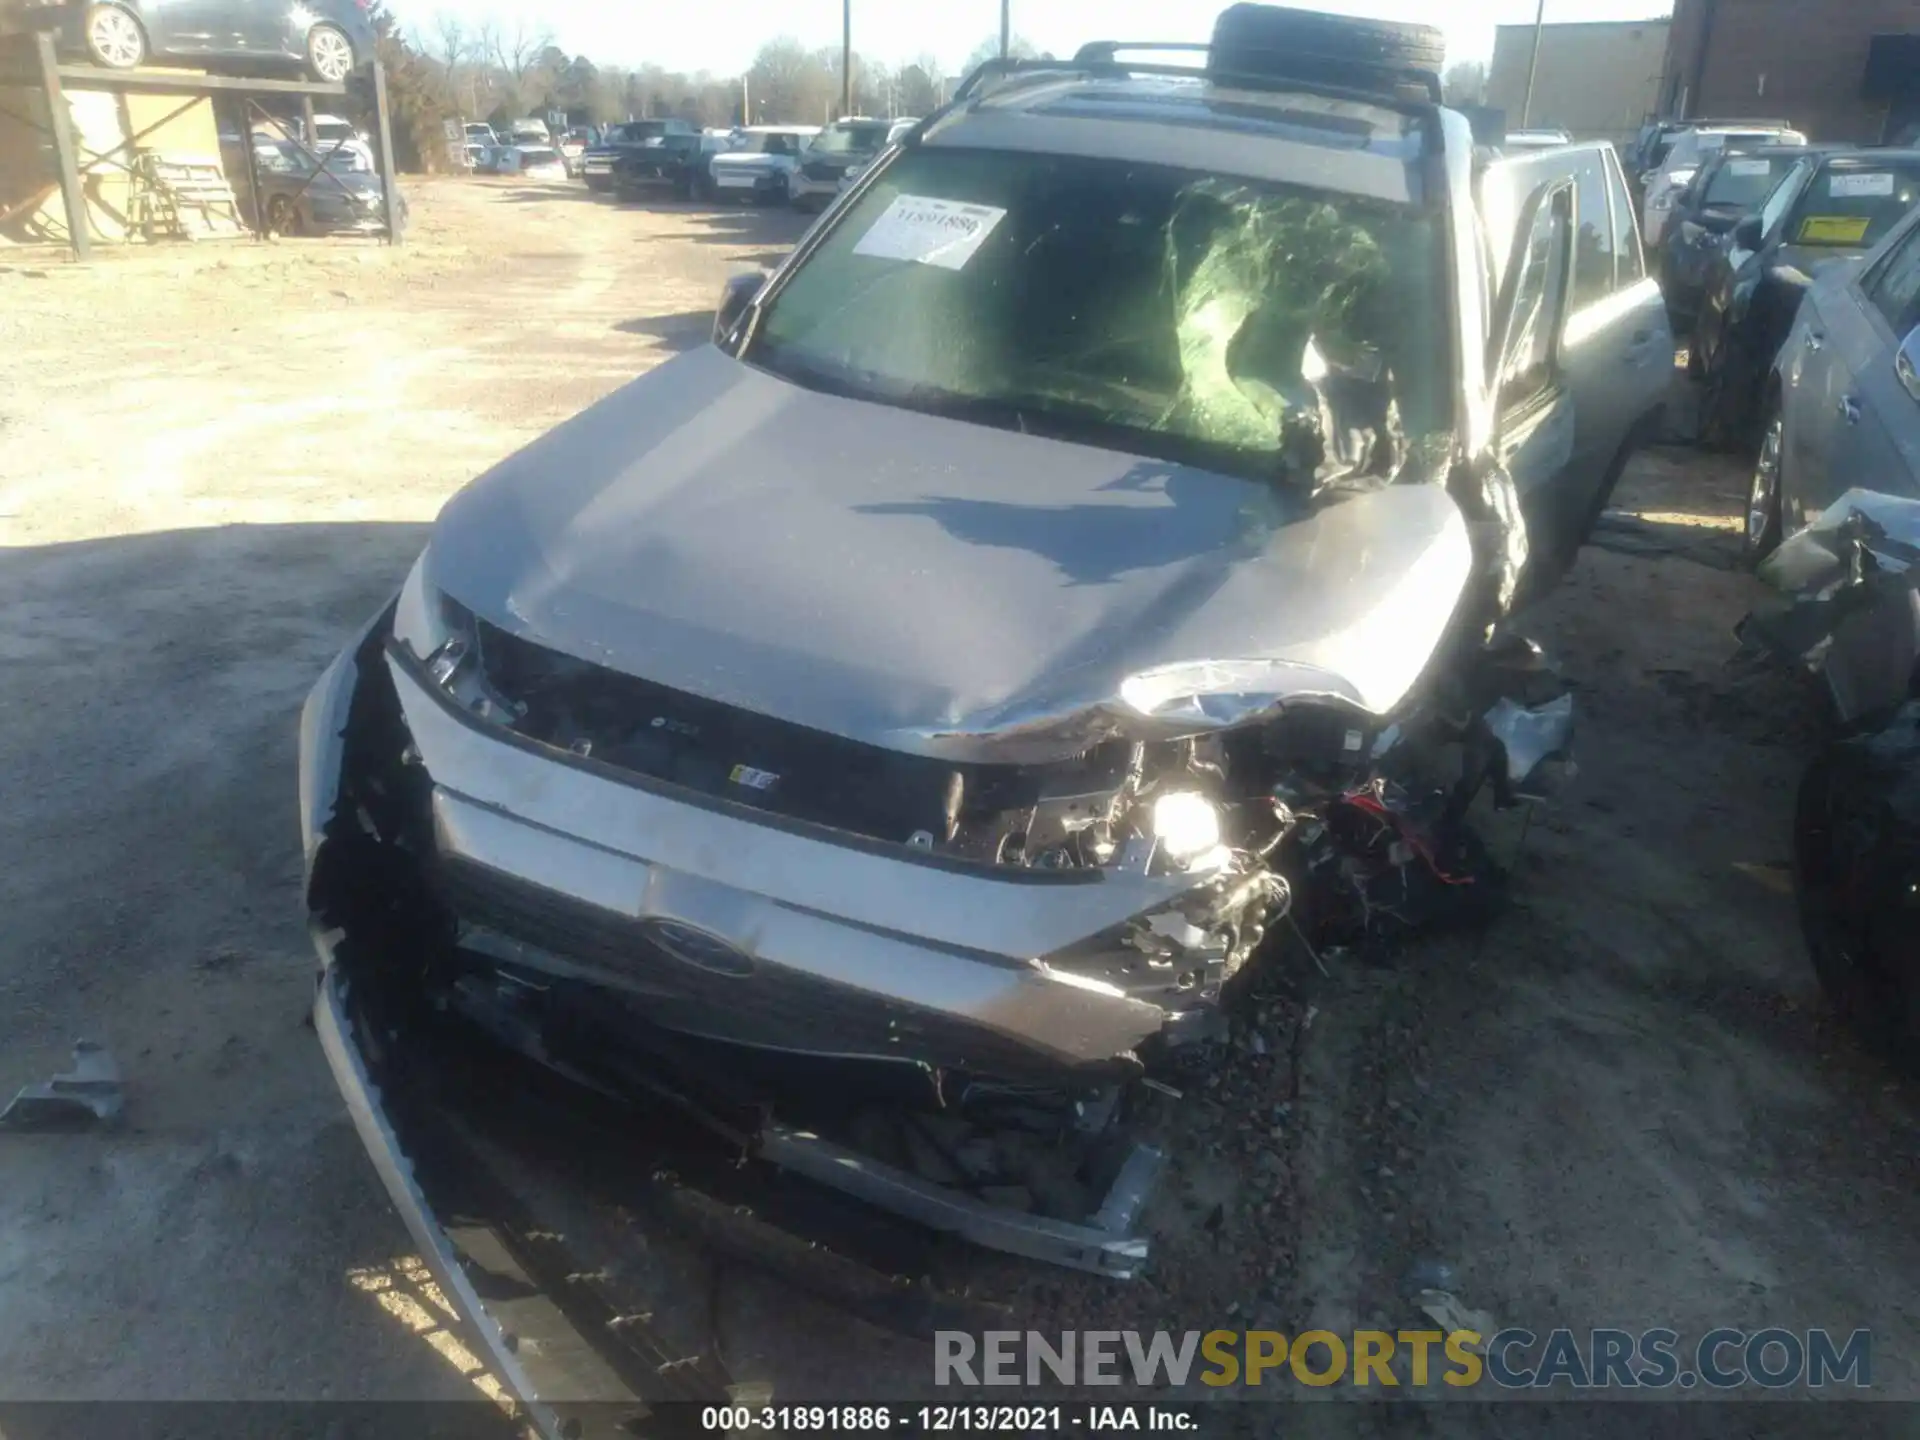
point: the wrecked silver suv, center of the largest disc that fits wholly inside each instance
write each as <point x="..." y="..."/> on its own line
<point x="1055" y="582"/>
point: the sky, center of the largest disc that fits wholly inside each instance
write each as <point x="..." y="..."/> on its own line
<point x="722" y="35"/>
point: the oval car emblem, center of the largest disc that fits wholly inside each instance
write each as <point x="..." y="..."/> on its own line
<point x="699" y="949"/>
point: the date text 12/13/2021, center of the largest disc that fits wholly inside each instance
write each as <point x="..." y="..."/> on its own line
<point x="945" y="1419"/>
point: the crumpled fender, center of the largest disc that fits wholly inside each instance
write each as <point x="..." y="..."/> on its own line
<point x="1487" y="496"/>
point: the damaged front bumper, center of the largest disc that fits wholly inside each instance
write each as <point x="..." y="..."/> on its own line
<point x="732" y="925"/>
<point x="424" y="1012"/>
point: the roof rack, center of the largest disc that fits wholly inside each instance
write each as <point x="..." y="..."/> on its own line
<point x="1715" y="122"/>
<point x="1100" y="58"/>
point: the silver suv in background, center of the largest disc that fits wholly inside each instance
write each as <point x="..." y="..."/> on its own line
<point x="1690" y="150"/>
<point x="1842" y="402"/>
<point x="839" y="148"/>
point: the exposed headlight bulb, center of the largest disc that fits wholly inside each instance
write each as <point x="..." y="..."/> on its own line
<point x="1185" y="824"/>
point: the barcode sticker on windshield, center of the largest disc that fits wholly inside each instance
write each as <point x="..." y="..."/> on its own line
<point x="1840" y="186"/>
<point x="1749" y="168"/>
<point x="930" y="232"/>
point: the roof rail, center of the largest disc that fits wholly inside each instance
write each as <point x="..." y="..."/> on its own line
<point x="1704" y="122"/>
<point x="1101" y="58"/>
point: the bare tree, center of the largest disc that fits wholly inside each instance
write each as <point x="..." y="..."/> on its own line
<point x="1465" y="83"/>
<point x="517" y="53"/>
<point x="1018" y="48"/>
<point x="451" y="47"/>
<point x="790" y="84"/>
<point x="919" y="87"/>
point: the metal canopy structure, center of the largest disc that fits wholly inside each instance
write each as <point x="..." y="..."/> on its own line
<point x="36" y="65"/>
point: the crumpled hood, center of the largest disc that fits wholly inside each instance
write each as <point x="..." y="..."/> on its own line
<point x="933" y="585"/>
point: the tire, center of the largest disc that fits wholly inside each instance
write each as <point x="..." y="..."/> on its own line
<point x="330" y="54"/>
<point x="283" y="216"/>
<point x="600" y="185"/>
<point x="1762" y="534"/>
<point x="1279" y="40"/>
<point x="1714" y="426"/>
<point x="1856" y="857"/>
<point x="114" y="38"/>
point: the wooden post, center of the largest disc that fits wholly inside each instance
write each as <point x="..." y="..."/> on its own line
<point x="1533" y="64"/>
<point x="65" y="157"/>
<point x="846" y="57"/>
<point x="254" y="202"/>
<point x="383" y="138"/>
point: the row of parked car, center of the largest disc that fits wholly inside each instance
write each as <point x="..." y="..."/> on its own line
<point x="1793" y="271"/>
<point x="800" y="165"/>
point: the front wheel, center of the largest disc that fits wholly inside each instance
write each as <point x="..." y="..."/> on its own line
<point x="114" y="38"/>
<point x="283" y="217"/>
<point x="1764" y="494"/>
<point x="329" y="54"/>
<point x="1715" y="428"/>
<point x="1856" y="855"/>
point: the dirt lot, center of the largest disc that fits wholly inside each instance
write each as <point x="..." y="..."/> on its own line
<point x="1624" y="1105"/>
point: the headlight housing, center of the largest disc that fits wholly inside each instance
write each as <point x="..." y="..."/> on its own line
<point x="421" y="621"/>
<point x="438" y="631"/>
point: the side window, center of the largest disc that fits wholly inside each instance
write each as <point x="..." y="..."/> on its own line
<point x="1895" y="290"/>
<point x="1526" y="370"/>
<point x="1630" y="266"/>
<point x="1784" y="194"/>
<point x="1593" y="241"/>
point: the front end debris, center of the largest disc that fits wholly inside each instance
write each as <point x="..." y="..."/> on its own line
<point x="929" y="988"/>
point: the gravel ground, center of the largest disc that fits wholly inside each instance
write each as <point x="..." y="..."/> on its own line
<point x="1624" y="1104"/>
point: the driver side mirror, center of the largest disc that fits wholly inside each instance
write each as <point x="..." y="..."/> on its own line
<point x="1747" y="235"/>
<point x="735" y="296"/>
<point x="1906" y="363"/>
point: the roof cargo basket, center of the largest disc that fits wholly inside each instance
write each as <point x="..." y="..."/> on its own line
<point x="1354" y="54"/>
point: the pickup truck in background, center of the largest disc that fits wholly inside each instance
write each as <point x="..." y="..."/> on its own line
<point x="680" y="163"/>
<point x="597" y="165"/>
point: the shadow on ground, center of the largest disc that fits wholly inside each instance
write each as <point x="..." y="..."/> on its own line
<point x="534" y="195"/>
<point x="734" y="226"/>
<point x="686" y="331"/>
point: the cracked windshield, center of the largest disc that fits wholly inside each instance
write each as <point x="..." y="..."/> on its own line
<point x="1190" y="314"/>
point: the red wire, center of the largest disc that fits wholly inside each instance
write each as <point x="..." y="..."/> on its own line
<point x="1366" y="803"/>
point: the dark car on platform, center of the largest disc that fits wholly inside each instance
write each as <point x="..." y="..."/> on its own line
<point x="300" y="195"/>
<point x="1728" y="187"/>
<point x="330" y="38"/>
<point x="1831" y="208"/>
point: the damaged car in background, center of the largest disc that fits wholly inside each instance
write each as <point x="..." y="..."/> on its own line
<point x="1840" y="559"/>
<point x="1846" y="609"/>
<point x="1179" y="442"/>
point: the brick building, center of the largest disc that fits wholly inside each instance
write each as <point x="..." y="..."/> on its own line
<point x="1845" y="70"/>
